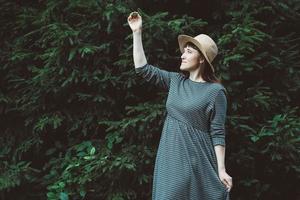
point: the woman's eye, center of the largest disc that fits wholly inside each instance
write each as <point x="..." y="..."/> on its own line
<point x="188" y="51"/>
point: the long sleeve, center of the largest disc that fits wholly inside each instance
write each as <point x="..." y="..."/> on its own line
<point x="218" y="118"/>
<point x="155" y="75"/>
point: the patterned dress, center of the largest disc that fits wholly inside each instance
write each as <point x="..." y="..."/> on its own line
<point x="186" y="164"/>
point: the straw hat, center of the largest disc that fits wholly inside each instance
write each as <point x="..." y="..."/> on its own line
<point x="205" y="44"/>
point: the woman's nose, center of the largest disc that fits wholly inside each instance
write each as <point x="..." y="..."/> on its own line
<point x="182" y="56"/>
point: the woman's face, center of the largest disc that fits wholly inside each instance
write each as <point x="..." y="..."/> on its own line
<point x="190" y="59"/>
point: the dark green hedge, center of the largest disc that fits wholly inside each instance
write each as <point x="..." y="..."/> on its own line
<point x="77" y="123"/>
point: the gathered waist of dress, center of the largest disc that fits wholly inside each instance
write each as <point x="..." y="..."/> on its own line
<point x="187" y="124"/>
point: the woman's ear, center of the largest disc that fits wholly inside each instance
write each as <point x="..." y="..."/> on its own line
<point x="201" y="60"/>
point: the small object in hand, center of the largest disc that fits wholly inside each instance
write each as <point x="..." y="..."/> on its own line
<point x="134" y="15"/>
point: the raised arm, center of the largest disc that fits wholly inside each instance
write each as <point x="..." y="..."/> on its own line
<point x="150" y="73"/>
<point x="135" y="23"/>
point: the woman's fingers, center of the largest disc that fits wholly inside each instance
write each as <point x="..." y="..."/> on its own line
<point x="135" y="21"/>
<point x="225" y="183"/>
<point x="228" y="182"/>
<point x="133" y="15"/>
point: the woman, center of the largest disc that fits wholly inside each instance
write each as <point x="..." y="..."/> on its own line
<point x="190" y="159"/>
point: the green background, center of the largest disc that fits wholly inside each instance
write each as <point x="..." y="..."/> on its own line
<point x="77" y="123"/>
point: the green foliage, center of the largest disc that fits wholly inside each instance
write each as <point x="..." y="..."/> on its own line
<point x="76" y="122"/>
<point x="276" y="147"/>
<point x="11" y="174"/>
<point x="259" y="67"/>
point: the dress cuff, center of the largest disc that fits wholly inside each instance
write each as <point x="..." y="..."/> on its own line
<point x="218" y="141"/>
<point x="139" y="69"/>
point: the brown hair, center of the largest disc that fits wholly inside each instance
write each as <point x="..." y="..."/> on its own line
<point x="206" y="71"/>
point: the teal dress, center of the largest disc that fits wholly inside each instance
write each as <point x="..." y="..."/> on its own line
<point x="186" y="164"/>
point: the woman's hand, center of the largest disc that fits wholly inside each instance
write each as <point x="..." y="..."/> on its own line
<point x="135" y="21"/>
<point x="226" y="179"/>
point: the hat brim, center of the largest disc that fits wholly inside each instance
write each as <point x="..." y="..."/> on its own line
<point x="183" y="39"/>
